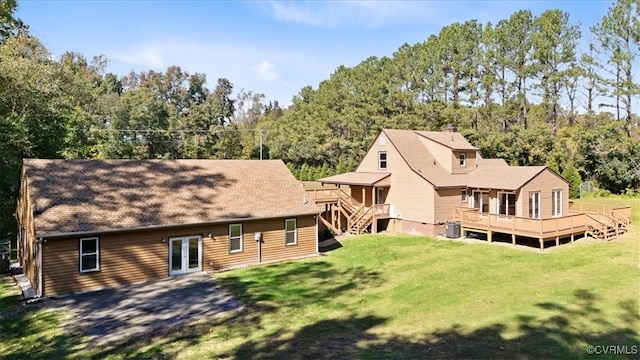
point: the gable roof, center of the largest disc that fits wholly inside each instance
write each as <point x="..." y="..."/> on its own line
<point x="503" y="177"/>
<point x="451" y="139"/>
<point x="86" y="196"/>
<point x="421" y="161"/>
<point x="488" y="174"/>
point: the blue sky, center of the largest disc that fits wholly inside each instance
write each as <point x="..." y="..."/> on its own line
<point x="268" y="47"/>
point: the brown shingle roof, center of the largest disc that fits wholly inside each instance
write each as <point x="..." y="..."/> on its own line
<point x="503" y="177"/>
<point x="421" y="161"/>
<point x="72" y="196"/>
<point x="355" y="178"/>
<point x="452" y="140"/>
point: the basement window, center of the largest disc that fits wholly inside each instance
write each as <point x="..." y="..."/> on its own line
<point x="89" y="255"/>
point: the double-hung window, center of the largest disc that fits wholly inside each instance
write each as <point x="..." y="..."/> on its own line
<point x="290" y="232"/>
<point x="382" y="160"/>
<point x="463" y="159"/>
<point x="235" y="238"/>
<point x="89" y="255"/>
<point x="557" y="203"/>
<point x="463" y="196"/>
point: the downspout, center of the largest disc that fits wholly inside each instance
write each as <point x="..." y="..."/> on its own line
<point x="317" y="236"/>
<point x="40" y="263"/>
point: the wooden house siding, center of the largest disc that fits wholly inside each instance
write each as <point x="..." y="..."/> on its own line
<point x="445" y="201"/>
<point x="135" y="256"/>
<point x="442" y="153"/>
<point x="470" y="162"/>
<point x="409" y="193"/>
<point x="545" y="183"/>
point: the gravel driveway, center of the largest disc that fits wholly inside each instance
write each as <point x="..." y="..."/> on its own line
<point x="115" y="314"/>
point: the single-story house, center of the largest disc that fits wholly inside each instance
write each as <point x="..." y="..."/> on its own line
<point x="90" y="224"/>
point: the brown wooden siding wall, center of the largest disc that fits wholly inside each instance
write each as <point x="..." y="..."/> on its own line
<point x="410" y="194"/>
<point x="143" y="255"/>
<point x="445" y="201"/>
<point x="544" y="183"/>
<point x="470" y="163"/>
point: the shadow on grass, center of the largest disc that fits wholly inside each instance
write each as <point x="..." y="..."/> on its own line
<point x="564" y="332"/>
<point x="557" y="330"/>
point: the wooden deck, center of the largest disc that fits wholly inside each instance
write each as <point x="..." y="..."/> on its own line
<point x="599" y="221"/>
<point x="342" y="213"/>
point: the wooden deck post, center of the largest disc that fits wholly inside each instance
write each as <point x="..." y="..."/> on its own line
<point x="541" y="244"/>
<point x="572" y="238"/>
<point x="513" y="239"/>
<point x="374" y="222"/>
<point x="557" y="240"/>
<point x="488" y="235"/>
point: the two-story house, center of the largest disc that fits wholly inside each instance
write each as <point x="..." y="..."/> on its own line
<point x="418" y="181"/>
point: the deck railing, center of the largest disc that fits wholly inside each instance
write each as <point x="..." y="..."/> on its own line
<point x="472" y="219"/>
<point x="320" y="195"/>
<point x="617" y="211"/>
<point x="383" y="209"/>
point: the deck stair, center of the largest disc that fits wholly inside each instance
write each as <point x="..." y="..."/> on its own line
<point x="606" y="227"/>
<point x="359" y="217"/>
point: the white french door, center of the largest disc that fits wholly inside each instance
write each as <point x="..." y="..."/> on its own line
<point x="185" y="255"/>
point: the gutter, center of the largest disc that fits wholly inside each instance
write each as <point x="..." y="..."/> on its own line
<point x="153" y="227"/>
<point x="40" y="270"/>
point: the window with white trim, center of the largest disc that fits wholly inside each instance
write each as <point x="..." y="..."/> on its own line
<point x="89" y="255"/>
<point x="235" y="238"/>
<point x="382" y="160"/>
<point x="506" y="203"/>
<point x="534" y="204"/>
<point x="463" y="196"/>
<point x="556" y="199"/>
<point x="463" y="159"/>
<point x="290" y="232"/>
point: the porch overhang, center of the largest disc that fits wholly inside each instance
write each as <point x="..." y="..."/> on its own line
<point x="359" y="179"/>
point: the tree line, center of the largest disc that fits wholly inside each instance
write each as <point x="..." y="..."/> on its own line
<point x="520" y="89"/>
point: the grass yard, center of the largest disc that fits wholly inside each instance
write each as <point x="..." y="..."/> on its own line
<point x="388" y="296"/>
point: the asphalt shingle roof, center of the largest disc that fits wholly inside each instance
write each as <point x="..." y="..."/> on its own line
<point x="71" y="196"/>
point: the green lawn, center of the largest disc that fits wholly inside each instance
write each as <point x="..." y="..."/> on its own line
<point x="401" y="297"/>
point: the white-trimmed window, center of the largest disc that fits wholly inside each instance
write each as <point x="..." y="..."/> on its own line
<point x="506" y="203"/>
<point x="463" y="196"/>
<point x="235" y="238"/>
<point x="290" y="232"/>
<point x="534" y="205"/>
<point x="463" y="159"/>
<point x="382" y="160"/>
<point x="89" y="255"/>
<point x="557" y="203"/>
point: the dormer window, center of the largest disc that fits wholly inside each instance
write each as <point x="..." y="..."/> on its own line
<point x="382" y="160"/>
<point x="463" y="159"/>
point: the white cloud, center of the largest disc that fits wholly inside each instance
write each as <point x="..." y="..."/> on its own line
<point x="266" y="71"/>
<point x="349" y="14"/>
<point x="150" y="55"/>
